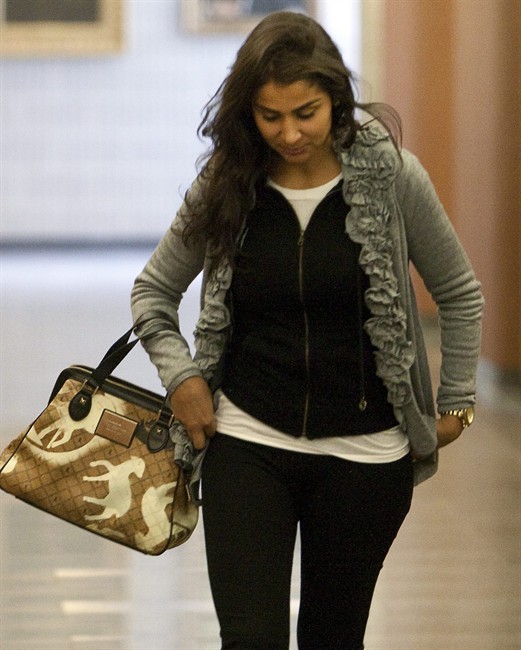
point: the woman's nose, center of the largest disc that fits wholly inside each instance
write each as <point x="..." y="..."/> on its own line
<point x="290" y="132"/>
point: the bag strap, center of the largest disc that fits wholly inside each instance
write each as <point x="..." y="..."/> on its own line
<point x="120" y="343"/>
<point x="113" y="357"/>
<point x="80" y="405"/>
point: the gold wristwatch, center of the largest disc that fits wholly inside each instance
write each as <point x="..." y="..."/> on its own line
<point x="466" y="415"/>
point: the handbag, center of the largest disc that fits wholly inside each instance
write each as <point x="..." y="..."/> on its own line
<point x="100" y="456"/>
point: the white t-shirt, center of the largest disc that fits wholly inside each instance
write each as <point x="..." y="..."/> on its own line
<point x="380" y="447"/>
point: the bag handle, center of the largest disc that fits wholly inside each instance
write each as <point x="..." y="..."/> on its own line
<point x="155" y="432"/>
<point x="120" y="343"/>
<point x="113" y="357"/>
<point x="80" y="405"/>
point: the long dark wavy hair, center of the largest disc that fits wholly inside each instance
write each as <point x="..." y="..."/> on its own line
<point x="284" y="47"/>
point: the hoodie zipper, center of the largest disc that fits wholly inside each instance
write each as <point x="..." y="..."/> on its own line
<point x="300" y="245"/>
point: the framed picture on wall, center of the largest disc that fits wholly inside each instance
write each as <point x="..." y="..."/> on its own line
<point x="214" y="16"/>
<point x="60" y="27"/>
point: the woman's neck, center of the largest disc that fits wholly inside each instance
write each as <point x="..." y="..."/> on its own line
<point x="302" y="177"/>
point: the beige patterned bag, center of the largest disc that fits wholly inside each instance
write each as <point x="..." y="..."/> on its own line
<point x="100" y="456"/>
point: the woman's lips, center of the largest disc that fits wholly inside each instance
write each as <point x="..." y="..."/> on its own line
<point x="293" y="151"/>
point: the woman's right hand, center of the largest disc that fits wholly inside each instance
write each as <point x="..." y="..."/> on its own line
<point x="192" y="405"/>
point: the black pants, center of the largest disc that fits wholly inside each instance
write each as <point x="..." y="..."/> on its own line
<point x="349" y="513"/>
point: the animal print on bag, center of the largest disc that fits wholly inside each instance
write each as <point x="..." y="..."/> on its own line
<point x="127" y="494"/>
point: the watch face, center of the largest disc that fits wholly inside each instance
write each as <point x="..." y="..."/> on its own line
<point x="468" y="414"/>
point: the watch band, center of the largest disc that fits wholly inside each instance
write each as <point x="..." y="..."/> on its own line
<point x="465" y="415"/>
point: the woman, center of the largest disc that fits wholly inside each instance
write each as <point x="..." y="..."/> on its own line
<point x="309" y="390"/>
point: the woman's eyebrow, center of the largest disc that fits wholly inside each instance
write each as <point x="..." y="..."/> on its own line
<point x="305" y="106"/>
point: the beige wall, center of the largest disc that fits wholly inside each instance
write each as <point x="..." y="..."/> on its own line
<point x="452" y="68"/>
<point x="487" y="105"/>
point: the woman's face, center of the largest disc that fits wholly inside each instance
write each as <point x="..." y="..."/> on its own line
<point x="295" y="121"/>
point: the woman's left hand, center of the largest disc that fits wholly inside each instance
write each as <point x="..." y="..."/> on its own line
<point x="448" y="428"/>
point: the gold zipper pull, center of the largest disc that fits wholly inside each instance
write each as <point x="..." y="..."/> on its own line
<point x="362" y="404"/>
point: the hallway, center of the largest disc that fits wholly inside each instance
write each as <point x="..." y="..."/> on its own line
<point x="451" y="582"/>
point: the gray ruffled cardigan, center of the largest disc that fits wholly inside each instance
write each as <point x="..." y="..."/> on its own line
<point x="397" y="218"/>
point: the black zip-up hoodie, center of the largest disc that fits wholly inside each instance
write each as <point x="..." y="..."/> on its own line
<point x="299" y="359"/>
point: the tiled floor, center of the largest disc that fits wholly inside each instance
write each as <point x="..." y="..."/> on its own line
<point x="452" y="580"/>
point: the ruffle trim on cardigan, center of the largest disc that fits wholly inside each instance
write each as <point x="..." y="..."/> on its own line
<point x="212" y="327"/>
<point x="370" y="166"/>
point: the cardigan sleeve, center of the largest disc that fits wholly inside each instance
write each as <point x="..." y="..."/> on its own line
<point x="155" y="300"/>
<point x="445" y="268"/>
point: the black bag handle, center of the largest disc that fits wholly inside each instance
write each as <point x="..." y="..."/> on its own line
<point x="113" y="357"/>
<point x="80" y="405"/>
<point x="156" y="431"/>
<point x="120" y="343"/>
